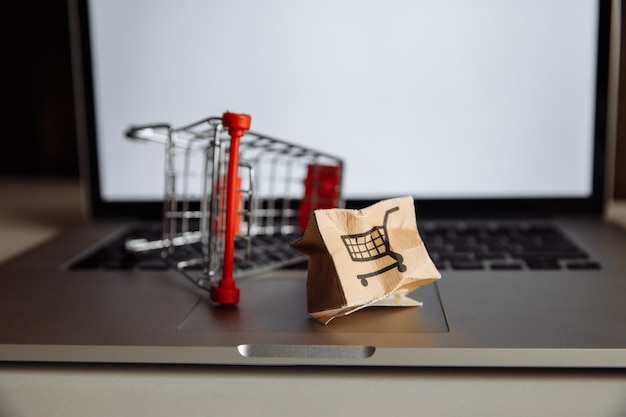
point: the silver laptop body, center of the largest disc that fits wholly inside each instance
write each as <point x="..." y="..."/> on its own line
<point x="559" y="317"/>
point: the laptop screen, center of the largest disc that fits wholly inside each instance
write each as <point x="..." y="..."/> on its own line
<point x="440" y="100"/>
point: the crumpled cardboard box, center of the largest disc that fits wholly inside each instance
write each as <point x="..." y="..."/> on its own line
<point x="361" y="258"/>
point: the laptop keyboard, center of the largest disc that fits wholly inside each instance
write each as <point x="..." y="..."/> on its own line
<point x="502" y="247"/>
<point x="268" y="252"/>
<point x="454" y="246"/>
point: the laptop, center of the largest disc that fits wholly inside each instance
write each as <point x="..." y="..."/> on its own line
<point x="492" y="116"/>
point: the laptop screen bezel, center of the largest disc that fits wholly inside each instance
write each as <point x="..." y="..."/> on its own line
<point x="99" y="208"/>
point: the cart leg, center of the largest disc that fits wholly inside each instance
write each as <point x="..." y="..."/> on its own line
<point x="226" y="292"/>
<point x="400" y="259"/>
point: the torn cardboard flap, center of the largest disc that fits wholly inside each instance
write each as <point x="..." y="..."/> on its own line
<point x="361" y="258"/>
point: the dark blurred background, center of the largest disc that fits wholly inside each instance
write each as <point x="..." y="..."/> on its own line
<point x="39" y="125"/>
<point x="39" y="117"/>
<point x="620" y="157"/>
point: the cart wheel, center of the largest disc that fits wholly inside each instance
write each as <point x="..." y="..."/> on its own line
<point x="401" y="267"/>
<point x="364" y="282"/>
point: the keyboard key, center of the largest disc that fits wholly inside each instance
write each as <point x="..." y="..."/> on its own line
<point x="153" y="265"/>
<point x="583" y="265"/>
<point x="506" y="266"/>
<point x="540" y="263"/>
<point x="467" y="265"/>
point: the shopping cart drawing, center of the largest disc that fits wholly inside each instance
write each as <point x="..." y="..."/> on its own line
<point x="371" y="245"/>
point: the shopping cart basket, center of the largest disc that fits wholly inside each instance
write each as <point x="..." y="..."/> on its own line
<point x="275" y="186"/>
<point x="371" y="245"/>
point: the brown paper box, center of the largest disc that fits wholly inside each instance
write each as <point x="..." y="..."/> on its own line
<point x="360" y="258"/>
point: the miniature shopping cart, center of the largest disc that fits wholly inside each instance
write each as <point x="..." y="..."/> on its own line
<point x="371" y="245"/>
<point x="230" y="194"/>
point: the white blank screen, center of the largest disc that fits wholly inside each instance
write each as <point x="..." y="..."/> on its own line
<point x="453" y="99"/>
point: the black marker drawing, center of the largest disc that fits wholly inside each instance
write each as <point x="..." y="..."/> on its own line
<point x="373" y="244"/>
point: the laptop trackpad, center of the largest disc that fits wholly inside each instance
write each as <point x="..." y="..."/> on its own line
<point x="277" y="303"/>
